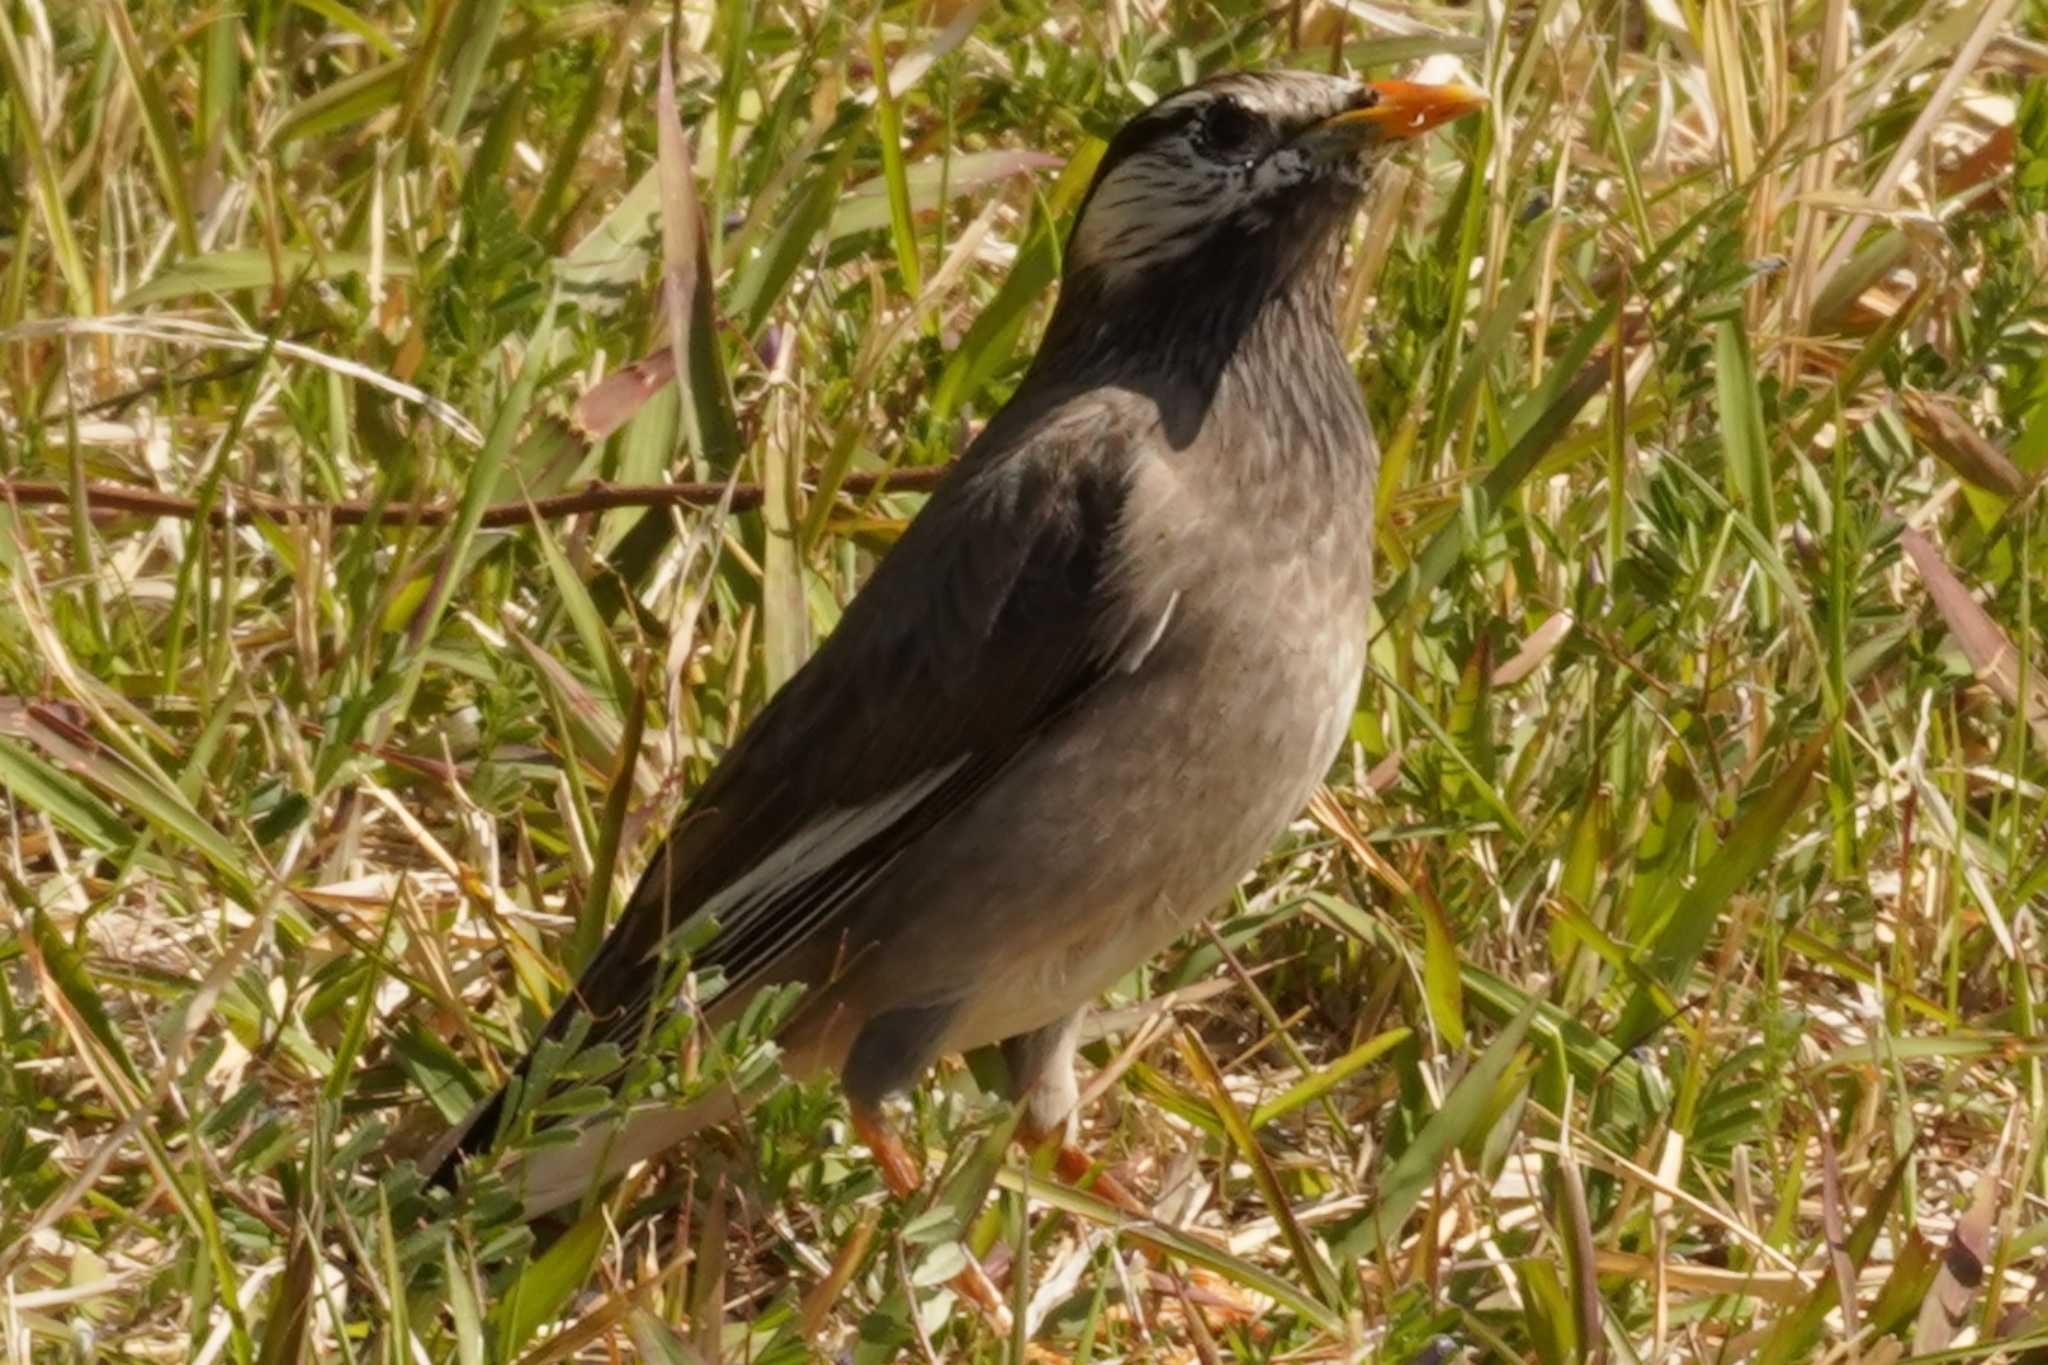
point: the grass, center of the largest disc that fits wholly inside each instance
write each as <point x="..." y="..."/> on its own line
<point x="1657" y="977"/>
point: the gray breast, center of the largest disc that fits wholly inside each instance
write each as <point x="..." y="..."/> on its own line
<point x="1183" y="770"/>
<point x="1243" y="551"/>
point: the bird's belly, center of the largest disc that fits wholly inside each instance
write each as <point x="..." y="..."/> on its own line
<point x="1171" y="784"/>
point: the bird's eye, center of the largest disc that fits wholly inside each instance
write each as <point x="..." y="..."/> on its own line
<point x="1227" y="127"/>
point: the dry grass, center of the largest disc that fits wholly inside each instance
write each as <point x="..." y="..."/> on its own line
<point x="1656" y="978"/>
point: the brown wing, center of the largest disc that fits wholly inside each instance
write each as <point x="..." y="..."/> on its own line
<point x="989" y="617"/>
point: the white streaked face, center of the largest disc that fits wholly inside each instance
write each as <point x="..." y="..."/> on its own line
<point x="1229" y="150"/>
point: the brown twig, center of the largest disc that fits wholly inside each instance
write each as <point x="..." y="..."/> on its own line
<point x="596" y="497"/>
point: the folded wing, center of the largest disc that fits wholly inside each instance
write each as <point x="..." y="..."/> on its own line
<point x="991" y="616"/>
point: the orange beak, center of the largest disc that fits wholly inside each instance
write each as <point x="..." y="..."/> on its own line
<point x="1404" y="109"/>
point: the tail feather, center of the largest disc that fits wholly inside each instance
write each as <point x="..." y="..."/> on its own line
<point x="613" y="990"/>
<point x="549" y="1177"/>
<point x="466" y="1139"/>
<point x="553" y="1176"/>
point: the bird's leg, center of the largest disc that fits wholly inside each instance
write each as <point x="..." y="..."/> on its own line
<point x="1041" y="1066"/>
<point x="899" y="1172"/>
<point x="901" y="1175"/>
<point x="888" y="1053"/>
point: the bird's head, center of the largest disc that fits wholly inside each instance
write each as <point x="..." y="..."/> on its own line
<point x="1243" y="175"/>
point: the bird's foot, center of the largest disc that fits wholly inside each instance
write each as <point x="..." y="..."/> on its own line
<point x="1072" y="1164"/>
<point x="1076" y="1167"/>
<point x="903" y="1177"/>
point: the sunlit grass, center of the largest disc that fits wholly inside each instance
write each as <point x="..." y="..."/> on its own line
<point x="1656" y="975"/>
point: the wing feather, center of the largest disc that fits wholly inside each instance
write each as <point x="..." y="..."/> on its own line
<point x="992" y="614"/>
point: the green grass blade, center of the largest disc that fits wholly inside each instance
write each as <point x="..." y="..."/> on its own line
<point x="889" y="137"/>
<point x="1402" y="1186"/>
<point x="156" y="125"/>
<point x="1734" y="865"/>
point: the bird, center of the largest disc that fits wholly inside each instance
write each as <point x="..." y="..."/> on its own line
<point x="1087" y="688"/>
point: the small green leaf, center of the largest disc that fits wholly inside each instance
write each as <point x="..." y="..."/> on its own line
<point x="1442" y="984"/>
<point x="441" y="1076"/>
<point x="657" y="1342"/>
<point x="544" y="1287"/>
<point x="67" y="971"/>
<point x="465" y="1307"/>
<point x="1548" y="1310"/>
<point x="769" y="267"/>
<point x="1742" y="425"/>
<point x="1750" y="845"/>
<point x="889" y="137"/>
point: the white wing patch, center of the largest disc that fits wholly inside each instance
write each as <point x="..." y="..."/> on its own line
<point x="817" y="848"/>
<point x="1143" y="651"/>
<point x="820" y="868"/>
